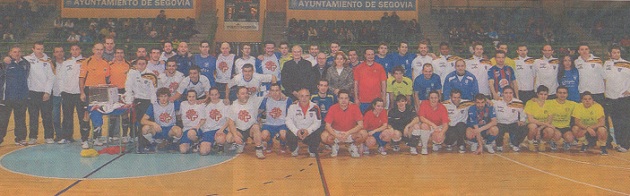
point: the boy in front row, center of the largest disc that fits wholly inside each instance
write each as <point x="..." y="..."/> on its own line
<point x="158" y="123"/>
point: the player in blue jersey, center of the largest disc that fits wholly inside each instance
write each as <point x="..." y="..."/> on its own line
<point x="323" y="98"/>
<point x="383" y="58"/>
<point x="482" y="124"/>
<point x="425" y="83"/>
<point x="205" y="61"/>
<point x="403" y="58"/>
<point x="462" y="80"/>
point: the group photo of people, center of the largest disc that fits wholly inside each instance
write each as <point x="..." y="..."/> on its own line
<point x="366" y="101"/>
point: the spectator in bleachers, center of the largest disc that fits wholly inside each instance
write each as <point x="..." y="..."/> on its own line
<point x="73" y="38"/>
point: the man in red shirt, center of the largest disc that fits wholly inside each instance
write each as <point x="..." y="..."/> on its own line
<point x="432" y="121"/>
<point x="370" y="81"/>
<point x="344" y="123"/>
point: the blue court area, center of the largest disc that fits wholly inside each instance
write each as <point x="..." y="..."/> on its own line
<point x="65" y="161"/>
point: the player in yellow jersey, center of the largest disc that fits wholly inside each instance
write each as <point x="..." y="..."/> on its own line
<point x="561" y="109"/>
<point x="589" y="120"/>
<point x="538" y="118"/>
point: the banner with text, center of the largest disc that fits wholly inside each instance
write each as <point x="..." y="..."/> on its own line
<point x="242" y="15"/>
<point x="353" y="5"/>
<point x="129" y="4"/>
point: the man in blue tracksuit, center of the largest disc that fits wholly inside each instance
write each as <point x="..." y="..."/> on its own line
<point x="460" y="79"/>
<point x="14" y="94"/>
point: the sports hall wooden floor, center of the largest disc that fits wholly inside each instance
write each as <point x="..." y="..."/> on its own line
<point x="443" y="173"/>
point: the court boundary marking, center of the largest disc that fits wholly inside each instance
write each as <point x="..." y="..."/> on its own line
<point x="320" y="168"/>
<point x="584" y="162"/>
<point x="94" y="179"/>
<point x="88" y="175"/>
<point x="561" y="177"/>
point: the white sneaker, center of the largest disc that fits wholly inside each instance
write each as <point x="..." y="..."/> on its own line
<point x="516" y="148"/>
<point x="413" y="150"/>
<point x="366" y="150"/>
<point x="436" y="147"/>
<point x="32" y="141"/>
<point x="354" y="151"/>
<point x="500" y="148"/>
<point x="462" y="149"/>
<point x="474" y="146"/>
<point x="97" y="142"/>
<point x="85" y="145"/>
<point x="233" y="147"/>
<point x="260" y="154"/>
<point x="334" y="150"/>
<point x="621" y="149"/>
<point x="489" y="148"/>
<point x="424" y="151"/>
<point x="240" y="148"/>
<point x="311" y="154"/>
<point x="449" y="148"/>
<point x="63" y="141"/>
<point x="396" y="148"/>
<point x="49" y="141"/>
<point x="382" y="150"/>
<point x="295" y="152"/>
<point x="125" y="139"/>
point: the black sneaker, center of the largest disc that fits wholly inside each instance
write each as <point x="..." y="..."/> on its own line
<point x="604" y="151"/>
<point x="584" y="147"/>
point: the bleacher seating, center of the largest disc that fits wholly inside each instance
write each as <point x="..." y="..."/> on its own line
<point x="17" y="20"/>
<point x="353" y="31"/>
<point x="127" y="30"/>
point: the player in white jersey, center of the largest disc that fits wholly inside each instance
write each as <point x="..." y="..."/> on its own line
<point x="617" y="92"/>
<point x="167" y="51"/>
<point x="215" y="128"/>
<point x="194" y="81"/>
<point x="274" y="109"/>
<point x="423" y="58"/>
<point x="510" y="118"/>
<point x="245" y="59"/>
<point x="524" y="72"/>
<point x="170" y="78"/>
<point x="457" y="109"/>
<point x="225" y="68"/>
<point x="479" y="67"/>
<point x="270" y="63"/>
<point x="445" y="63"/>
<point x="591" y="71"/>
<point x="158" y="123"/>
<point x="155" y="65"/>
<point x="546" y="71"/>
<point x="252" y="81"/>
<point x="242" y="123"/>
<point x="193" y="117"/>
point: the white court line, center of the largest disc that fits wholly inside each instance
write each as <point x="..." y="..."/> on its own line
<point x="584" y="162"/>
<point x="562" y="177"/>
<point x="616" y="157"/>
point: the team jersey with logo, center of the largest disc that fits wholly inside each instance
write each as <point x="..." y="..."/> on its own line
<point x="225" y="64"/>
<point x="216" y="116"/>
<point x="561" y="112"/>
<point x="192" y="114"/>
<point x="524" y="72"/>
<point x="417" y="65"/>
<point x="546" y="73"/>
<point x="591" y="74"/>
<point x="444" y="65"/>
<point x="238" y="64"/>
<point x="243" y="115"/>
<point x="501" y="76"/>
<point x="457" y="113"/>
<point x="163" y="115"/>
<point x="617" y="78"/>
<point x="324" y="103"/>
<point x="479" y="68"/>
<point x="170" y="82"/>
<point x="254" y="84"/>
<point x="480" y="116"/>
<point x="589" y="116"/>
<point x="275" y="110"/>
<point x="535" y="111"/>
<point x="509" y="112"/>
<point x="270" y="65"/>
<point x="201" y="86"/>
<point x="157" y="68"/>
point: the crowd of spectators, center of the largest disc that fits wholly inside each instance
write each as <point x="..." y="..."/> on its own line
<point x="607" y="25"/>
<point x="389" y="28"/>
<point x="151" y="30"/>
<point x="510" y="25"/>
<point x="18" y="19"/>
